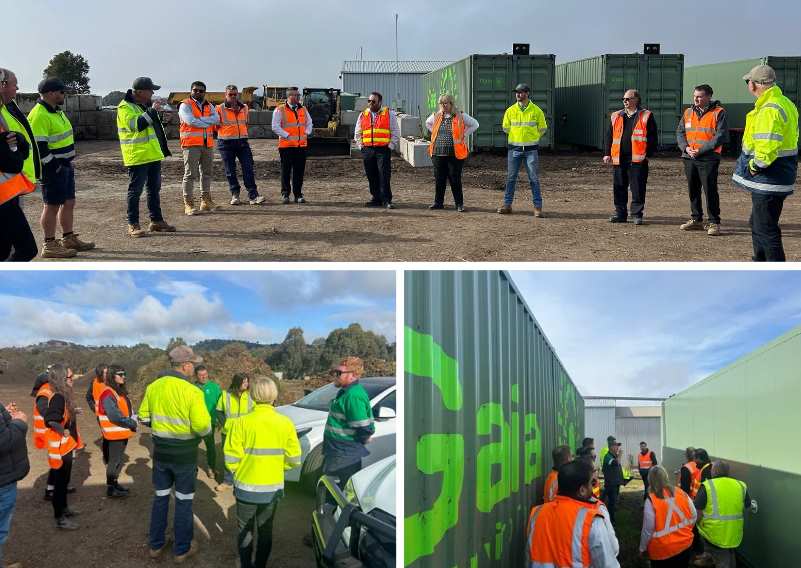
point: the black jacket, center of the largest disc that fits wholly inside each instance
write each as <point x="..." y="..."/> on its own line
<point x="652" y="134"/>
<point x="14" y="464"/>
<point x="157" y="126"/>
<point x="14" y="110"/>
<point x="13" y="162"/>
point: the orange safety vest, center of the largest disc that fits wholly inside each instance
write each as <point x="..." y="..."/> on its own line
<point x="110" y="430"/>
<point x="551" y="486"/>
<point x="97" y="389"/>
<point x="295" y="124"/>
<point x="701" y="130"/>
<point x="59" y="446"/>
<point x="39" y="426"/>
<point x="233" y="123"/>
<point x="695" y="477"/>
<point x="696" y="484"/>
<point x="13" y="185"/>
<point x="596" y="490"/>
<point x="644" y="461"/>
<point x="194" y="136"/>
<point x="378" y="133"/>
<point x="673" y="525"/>
<point x="459" y="145"/>
<point x="554" y="527"/>
<point x="639" y="136"/>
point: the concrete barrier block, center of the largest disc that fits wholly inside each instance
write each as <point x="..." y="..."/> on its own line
<point x="71" y="104"/>
<point x="107" y="117"/>
<point x="415" y="152"/>
<point x="89" y="102"/>
<point x="360" y="104"/>
<point x="89" y="117"/>
<point x="409" y="125"/>
<point x="171" y="131"/>
<point x="349" y="117"/>
<point x="107" y="132"/>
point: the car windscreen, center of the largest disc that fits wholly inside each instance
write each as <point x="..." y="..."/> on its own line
<point x="320" y="399"/>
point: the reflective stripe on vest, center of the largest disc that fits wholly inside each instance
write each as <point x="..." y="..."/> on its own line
<point x="695" y="478"/>
<point x="295" y="127"/>
<point x="8" y="123"/>
<point x="54" y="129"/>
<point x="110" y="430"/>
<point x="39" y="426"/>
<point x="639" y="136"/>
<point x="701" y="130"/>
<point x="457" y="124"/>
<point x="672" y="525"/>
<point x="59" y="445"/>
<point x="696" y="484"/>
<point x="137" y="146"/>
<point x="13" y="185"/>
<point x="233" y="124"/>
<point x="376" y="133"/>
<point x="192" y="136"/>
<point x="525" y="128"/>
<point x="722" y="522"/>
<point x="549" y="548"/>
<point x="551" y="486"/>
<point x="644" y="461"/>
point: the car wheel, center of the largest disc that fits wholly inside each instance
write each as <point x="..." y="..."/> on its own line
<point x="312" y="470"/>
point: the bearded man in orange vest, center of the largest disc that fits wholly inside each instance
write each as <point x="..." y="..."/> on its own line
<point x="199" y="120"/>
<point x="233" y="145"/>
<point x="293" y="125"/>
<point x="376" y="135"/>
<point x="631" y="138"/>
<point x="702" y="131"/>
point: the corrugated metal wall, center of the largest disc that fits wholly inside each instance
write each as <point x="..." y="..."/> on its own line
<point x="483" y="86"/>
<point x="748" y="414"/>
<point x="631" y="431"/>
<point x="590" y="90"/>
<point x="598" y="424"/>
<point x="487" y="400"/>
<point x="408" y="85"/>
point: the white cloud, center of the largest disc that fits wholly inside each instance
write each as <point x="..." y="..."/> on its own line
<point x="179" y="288"/>
<point x="101" y="288"/>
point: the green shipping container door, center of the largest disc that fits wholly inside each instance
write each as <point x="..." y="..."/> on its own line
<point x="590" y="90"/>
<point x="726" y="79"/>
<point x="487" y="400"/>
<point x="748" y="414"/>
<point x="483" y="87"/>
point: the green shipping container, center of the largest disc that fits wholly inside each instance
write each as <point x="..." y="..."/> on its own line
<point x="483" y="87"/>
<point x="748" y="414"/>
<point x="487" y="400"/>
<point x="590" y="90"/>
<point x="726" y="79"/>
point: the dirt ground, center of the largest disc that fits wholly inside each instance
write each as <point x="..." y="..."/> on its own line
<point x="334" y="225"/>
<point x="113" y="532"/>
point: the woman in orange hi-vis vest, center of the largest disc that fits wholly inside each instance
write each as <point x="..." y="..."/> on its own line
<point x="668" y="519"/>
<point x="62" y="440"/>
<point x="117" y="424"/>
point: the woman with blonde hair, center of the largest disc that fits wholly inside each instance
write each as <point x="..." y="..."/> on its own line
<point x="668" y="519"/>
<point x="449" y="129"/>
<point x="259" y="447"/>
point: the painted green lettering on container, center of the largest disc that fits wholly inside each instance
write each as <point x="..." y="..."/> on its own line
<point x="489" y="494"/>
<point x="533" y="448"/>
<point x="424" y="358"/>
<point x="436" y="453"/>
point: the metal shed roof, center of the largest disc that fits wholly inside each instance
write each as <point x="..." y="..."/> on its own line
<point x="359" y="66"/>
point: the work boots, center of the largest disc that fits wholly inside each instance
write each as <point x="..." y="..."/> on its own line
<point x="189" y="206"/>
<point x="160" y="227"/>
<point x="72" y="241"/>
<point x="135" y="231"/>
<point x="207" y="204"/>
<point x="54" y="249"/>
<point x="114" y="489"/>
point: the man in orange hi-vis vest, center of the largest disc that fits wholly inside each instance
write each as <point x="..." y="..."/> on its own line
<point x="376" y="135"/>
<point x="561" y="456"/>
<point x="293" y="125"/>
<point x="199" y="120"/>
<point x="631" y="138"/>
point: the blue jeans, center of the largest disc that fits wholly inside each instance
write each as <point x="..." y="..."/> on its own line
<point x="150" y="175"/>
<point x="8" y="498"/>
<point x="532" y="161"/>
<point x="230" y="151"/>
<point x="183" y="477"/>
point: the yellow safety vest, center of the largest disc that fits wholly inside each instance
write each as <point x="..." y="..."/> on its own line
<point x="138" y="146"/>
<point x="175" y="409"/>
<point x="55" y="129"/>
<point x="526" y="126"/>
<point x="234" y="407"/>
<point x="11" y="124"/>
<point x="722" y="523"/>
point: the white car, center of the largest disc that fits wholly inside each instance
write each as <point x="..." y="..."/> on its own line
<point x="310" y="413"/>
<point x="368" y="505"/>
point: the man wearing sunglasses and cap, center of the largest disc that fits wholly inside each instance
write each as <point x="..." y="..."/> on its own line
<point x="350" y="422"/>
<point x="768" y="164"/>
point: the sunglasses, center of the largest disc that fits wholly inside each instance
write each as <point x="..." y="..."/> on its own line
<point x="371" y="101"/>
<point x="339" y="373"/>
<point x="120" y="374"/>
<point x="747" y="81"/>
<point x="199" y="91"/>
<point x="627" y="99"/>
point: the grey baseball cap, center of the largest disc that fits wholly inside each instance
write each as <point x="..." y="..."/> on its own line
<point x="145" y="84"/>
<point x="761" y="74"/>
<point x="184" y="354"/>
<point x="522" y="87"/>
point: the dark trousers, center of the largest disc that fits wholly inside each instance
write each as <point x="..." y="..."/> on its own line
<point x="183" y="477"/>
<point x="611" y="495"/>
<point x="146" y="175"/>
<point x="447" y="169"/>
<point x="255" y="540"/>
<point x="61" y="480"/>
<point x="765" y="232"/>
<point x="113" y="454"/>
<point x="703" y="175"/>
<point x="634" y="176"/>
<point x="293" y="168"/>
<point x="681" y="560"/>
<point x="378" y="167"/>
<point x="644" y="476"/>
<point x="211" y="451"/>
<point x="51" y="480"/>
<point x="15" y="234"/>
<point x="230" y="152"/>
<point x="344" y="473"/>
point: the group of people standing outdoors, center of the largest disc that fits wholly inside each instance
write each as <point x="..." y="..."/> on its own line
<point x="696" y="521"/>
<point x="182" y="407"/>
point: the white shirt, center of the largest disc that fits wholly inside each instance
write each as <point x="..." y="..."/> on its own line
<point x="394" y="130"/>
<point x="186" y="115"/>
<point x="470" y="123"/>
<point x="283" y="133"/>
<point x="604" y="546"/>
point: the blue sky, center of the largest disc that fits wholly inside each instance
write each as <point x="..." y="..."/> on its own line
<point x="249" y="43"/>
<point x="653" y="333"/>
<point x="128" y="307"/>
